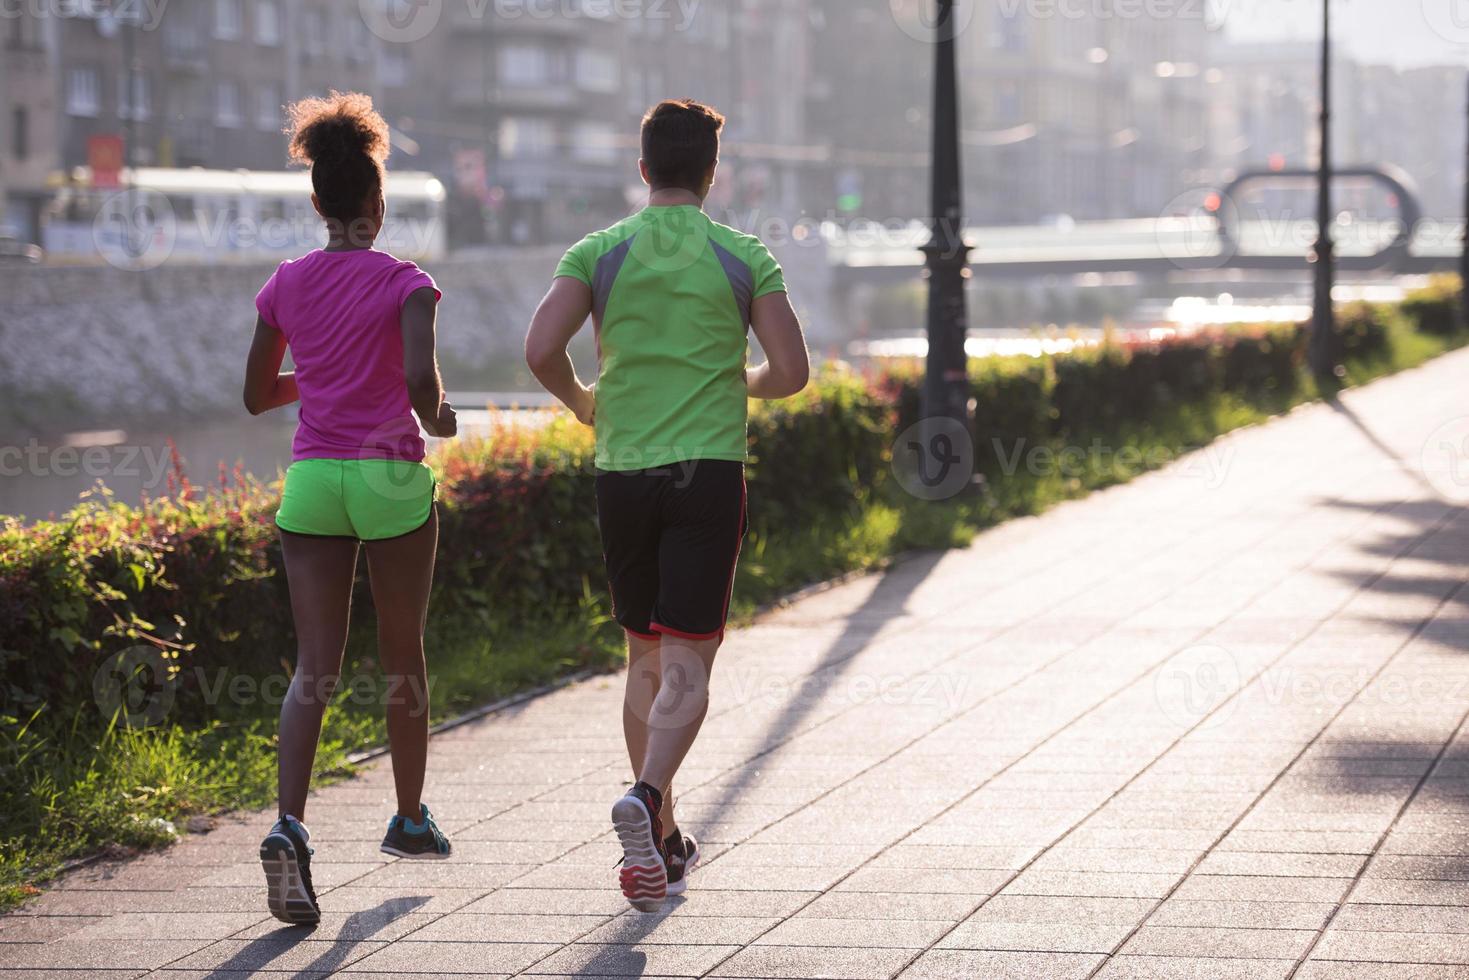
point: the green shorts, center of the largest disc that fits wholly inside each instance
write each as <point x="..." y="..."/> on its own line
<point x="366" y="499"/>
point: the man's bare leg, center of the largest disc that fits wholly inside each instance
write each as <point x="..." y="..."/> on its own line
<point x="643" y="682"/>
<point x="679" y="707"/>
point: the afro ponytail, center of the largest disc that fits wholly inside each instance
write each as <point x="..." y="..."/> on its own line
<point x="345" y="143"/>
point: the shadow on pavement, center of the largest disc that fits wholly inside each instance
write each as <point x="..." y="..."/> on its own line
<point x="358" y="927"/>
<point x="888" y="598"/>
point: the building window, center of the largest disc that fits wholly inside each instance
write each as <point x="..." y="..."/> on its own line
<point x="267" y="23"/>
<point x="393" y="65"/>
<point x="227" y="105"/>
<point x="229" y="22"/>
<point x="268" y="107"/>
<point x="315" y="30"/>
<point x="20" y="133"/>
<point x="524" y="66"/>
<point x="134" y="96"/>
<point x="594" y="142"/>
<point x="596" y="71"/>
<point x="359" y="41"/>
<point x="83" y="92"/>
<point x="526" y="138"/>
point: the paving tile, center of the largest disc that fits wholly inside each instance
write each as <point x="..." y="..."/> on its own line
<point x="1403" y="918"/>
<point x="295" y="953"/>
<point x="675" y="927"/>
<point x="651" y="959"/>
<point x="805" y="930"/>
<point x="480" y="928"/>
<point x="130" y="954"/>
<point x="1242" y="914"/>
<point x="1194" y="968"/>
<point x="1329" y="970"/>
<point x="1190" y="941"/>
<point x="1392" y="947"/>
<point x="813" y="963"/>
<point x="1050" y="937"/>
<point x="449" y="957"/>
<point x="944" y="964"/>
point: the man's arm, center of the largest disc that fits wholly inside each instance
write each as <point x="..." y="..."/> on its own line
<point x="419" y="321"/>
<point x="560" y="315"/>
<point x="787" y="365"/>
<point x="266" y="387"/>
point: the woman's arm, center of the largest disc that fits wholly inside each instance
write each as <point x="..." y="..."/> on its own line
<point x="558" y="318"/>
<point x="787" y="365"/>
<point x="266" y="386"/>
<point x="421" y="364"/>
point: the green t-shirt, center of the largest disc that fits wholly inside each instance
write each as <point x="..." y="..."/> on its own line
<point x="671" y="296"/>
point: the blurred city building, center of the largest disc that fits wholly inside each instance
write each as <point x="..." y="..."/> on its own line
<point x="528" y="111"/>
<point x="28" y="150"/>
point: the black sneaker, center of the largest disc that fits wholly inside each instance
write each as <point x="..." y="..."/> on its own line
<point x="644" y="874"/>
<point x="423" y="841"/>
<point x="683" y="854"/>
<point x="286" y="858"/>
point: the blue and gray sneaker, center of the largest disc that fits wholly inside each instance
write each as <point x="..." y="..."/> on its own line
<point x="286" y="858"/>
<point x="420" y="840"/>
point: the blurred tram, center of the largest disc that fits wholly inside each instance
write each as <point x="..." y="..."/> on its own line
<point x="225" y="216"/>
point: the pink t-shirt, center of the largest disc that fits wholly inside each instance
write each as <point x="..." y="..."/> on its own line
<point x="341" y="315"/>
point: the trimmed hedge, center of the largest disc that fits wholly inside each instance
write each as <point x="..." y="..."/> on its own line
<point x="198" y="575"/>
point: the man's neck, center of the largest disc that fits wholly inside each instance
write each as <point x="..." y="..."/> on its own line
<point x="674" y="197"/>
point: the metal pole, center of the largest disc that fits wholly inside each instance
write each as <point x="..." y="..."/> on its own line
<point x="1323" y="320"/>
<point x="1464" y="251"/>
<point x="946" y="387"/>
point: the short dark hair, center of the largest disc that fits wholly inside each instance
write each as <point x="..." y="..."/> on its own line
<point x="681" y="143"/>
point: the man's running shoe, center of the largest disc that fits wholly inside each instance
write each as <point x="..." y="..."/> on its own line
<point x="421" y="840"/>
<point x="644" y="875"/>
<point x="683" y="854"/>
<point x="286" y="858"/>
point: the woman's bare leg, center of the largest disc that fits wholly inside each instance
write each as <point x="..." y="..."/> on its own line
<point x="402" y="573"/>
<point x="320" y="573"/>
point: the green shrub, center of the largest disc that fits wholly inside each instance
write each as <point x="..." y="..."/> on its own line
<point x="1362" y="333"/>
<point x="1436" y="309"/>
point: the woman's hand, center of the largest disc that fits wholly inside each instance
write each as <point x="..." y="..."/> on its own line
<point x="446" y="426"/>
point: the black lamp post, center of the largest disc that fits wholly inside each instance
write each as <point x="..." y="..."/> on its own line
<point x="1464" y="252"/>
<point x="946" y="387"/>
<point x="1323" y="320"/>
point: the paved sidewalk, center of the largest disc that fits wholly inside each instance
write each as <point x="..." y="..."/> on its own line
<point x="1209" y="725"/>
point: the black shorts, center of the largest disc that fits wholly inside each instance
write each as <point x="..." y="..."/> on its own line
<point x="671" y="539"/>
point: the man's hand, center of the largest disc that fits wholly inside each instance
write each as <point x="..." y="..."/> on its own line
<point x="585" y="406"/>
<point x="446" y="425"/>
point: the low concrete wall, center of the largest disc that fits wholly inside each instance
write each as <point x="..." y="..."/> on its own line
<point x="82" y="346"/>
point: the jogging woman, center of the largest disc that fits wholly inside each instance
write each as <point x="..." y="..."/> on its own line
<point x="359" y="324"/>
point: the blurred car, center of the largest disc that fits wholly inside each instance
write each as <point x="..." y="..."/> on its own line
<point x="13" y="251"/>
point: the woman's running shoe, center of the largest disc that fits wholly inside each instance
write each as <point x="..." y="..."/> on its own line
<point x="683" y="854"/>
<point x="420" y="840"/>
<point x="286" y="858"/>
<point x="644" y="874"/>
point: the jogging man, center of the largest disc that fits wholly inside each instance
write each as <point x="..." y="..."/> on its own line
<point x="672" y="295"/>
